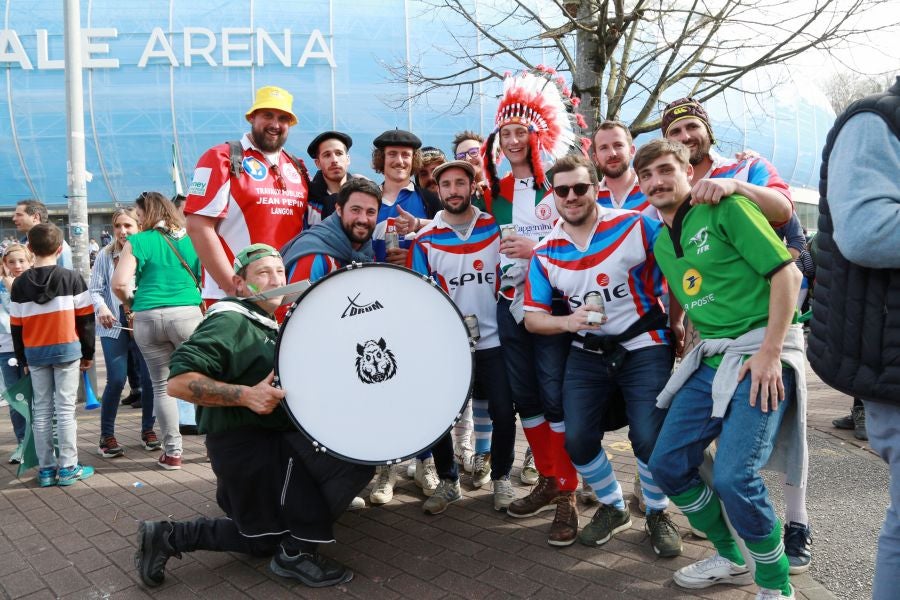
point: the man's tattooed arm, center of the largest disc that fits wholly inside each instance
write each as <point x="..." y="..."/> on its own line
<point x="201" y="390"/>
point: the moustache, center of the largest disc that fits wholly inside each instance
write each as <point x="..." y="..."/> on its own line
<point x="659" y="189"/>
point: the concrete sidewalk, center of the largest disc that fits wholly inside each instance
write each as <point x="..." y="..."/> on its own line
<point x="78" y="542"/>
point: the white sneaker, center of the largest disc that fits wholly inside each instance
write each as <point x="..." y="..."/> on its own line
<point x="18" y="454"/>
<point x="587" y="495"/>
<point x="767" y="594"/>
<point x="503" y="493"/>
<point x="383" y="490"/>
<point x="357" y="504"/>
<point x="464" y="455"/>
<point x="481" y="470"/>
<point x="711" y="571"/>
<point x="529" y="474"/>
<point x="426" y="475"/>
<point x="411" y="469"/>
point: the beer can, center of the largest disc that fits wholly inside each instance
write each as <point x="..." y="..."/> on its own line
<point x="507" y="230"/>
<point x="594" y="299"/>
<point x="391" y="239"/>
<point x="471" y="322"/>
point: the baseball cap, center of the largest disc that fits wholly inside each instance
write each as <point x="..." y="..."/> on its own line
<point x="253" y="253"/>
<point x="453" y="164"/>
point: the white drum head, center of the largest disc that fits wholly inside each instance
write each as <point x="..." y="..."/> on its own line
<point x="376" y="363"/>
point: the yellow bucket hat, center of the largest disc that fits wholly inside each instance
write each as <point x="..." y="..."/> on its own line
<point x="274" y="98"/>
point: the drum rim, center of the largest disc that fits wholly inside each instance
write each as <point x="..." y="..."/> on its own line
<point x="316" y="444"/>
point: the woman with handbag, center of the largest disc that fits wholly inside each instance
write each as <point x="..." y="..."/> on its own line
<point x="161" y="262"/>
<point x="118" y="344"/>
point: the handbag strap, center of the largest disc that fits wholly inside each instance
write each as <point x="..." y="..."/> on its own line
<point x="180" y="259"/>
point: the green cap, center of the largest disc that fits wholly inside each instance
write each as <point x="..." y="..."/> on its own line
<point x="251" y="253"/>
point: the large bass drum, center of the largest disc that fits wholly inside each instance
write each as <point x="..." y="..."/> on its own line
<point x="376" y="363"/>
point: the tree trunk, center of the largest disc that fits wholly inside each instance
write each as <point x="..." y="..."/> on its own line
<point x="587" y="75"/>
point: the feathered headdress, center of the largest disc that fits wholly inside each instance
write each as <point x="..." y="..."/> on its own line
<point x="539" y="100"/>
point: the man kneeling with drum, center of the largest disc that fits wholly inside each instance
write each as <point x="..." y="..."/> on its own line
<point x="281" y="498"/>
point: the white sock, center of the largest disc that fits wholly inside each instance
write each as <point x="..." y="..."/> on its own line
<point x="795" y="504"/>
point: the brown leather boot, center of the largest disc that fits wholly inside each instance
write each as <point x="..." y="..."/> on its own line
<point x="542" y="497"/>
<point x="564" y="529"/>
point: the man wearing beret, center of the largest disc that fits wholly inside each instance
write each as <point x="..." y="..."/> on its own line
<point x="331" y="152"/>
<point x="247" y="192"/>
<point x="405" y="207"/>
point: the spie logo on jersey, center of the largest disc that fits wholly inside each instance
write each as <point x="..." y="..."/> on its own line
<point x="543" y="211"/>
<point x="254" y="168"/>
<point x="603" y="279"/>
<point x="478" y="265"/>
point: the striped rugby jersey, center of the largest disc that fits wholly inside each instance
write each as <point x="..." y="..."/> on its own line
<point x="467" y="267"/>
<point x="757" y="171"/>
<point x="618" y="262"/>
<point x="635" y="200"/>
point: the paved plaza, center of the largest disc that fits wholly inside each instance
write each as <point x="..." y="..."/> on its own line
<point x="78" y="542"/>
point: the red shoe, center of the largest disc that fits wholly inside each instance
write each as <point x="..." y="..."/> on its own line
<point x="169" y="463"/>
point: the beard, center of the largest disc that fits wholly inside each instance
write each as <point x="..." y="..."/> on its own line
<point x="699" y="152"/>
<point x="265" y="143"/>
<point x="615" y="172"/>
<point x="348" y="229"/>
<point x="581" y="220"/>
<point x="458" y="210"/>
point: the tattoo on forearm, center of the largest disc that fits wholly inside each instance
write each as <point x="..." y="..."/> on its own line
<point x="208" y="392"/>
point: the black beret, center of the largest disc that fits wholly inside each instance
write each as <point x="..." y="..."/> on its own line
<point x="313" y="148"/>
<point x="397" y="137"/>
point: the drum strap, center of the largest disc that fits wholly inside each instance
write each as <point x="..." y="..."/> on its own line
<point x="236" y="306"/>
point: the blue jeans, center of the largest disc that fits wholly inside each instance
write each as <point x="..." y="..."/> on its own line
<point x="11" y="374"/>
<point x="883" y="427"/>
<point x="117" y="353"/>
<point x="535" y="366"/>
<point x="746" y="437"/>
<point x="591" y="384"/>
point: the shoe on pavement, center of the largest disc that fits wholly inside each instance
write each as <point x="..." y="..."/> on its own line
<point x="71" y="475"/>
<point x="665" y="538"/>
<point x="859" y="423"/>
<point x="313" y="570"/>
<point x="137" y="404"/>
<point x="767" y="594"/>
<point x="154" y="549"/>
<point x="131" y="397"/>
<point x="504" y="495"/>
<point x="481" y="469"/>
<point x="797" y="542"/>
<point x="542" y="497"/>
<point x="150" y="441"/>
<point x="383" y="490"/>
<point x="447" y="492"/>
<point x="606" y="522"/>
<point x="169" y="463"/>
<point x="47" y="477"/>
<point x="529" y="474"/>
<point x="110" y="448"/>
<point x="845" y="422"/>
<point x="464" y="455"/>
<point x="587" y="495"/>
<point x="17" y="455"/>
<point x="711" y="571"/>
<point x="187" y="429"/>
<point x="564" y="529"/>
<point x="426" y="476"/>
<point x="357" y="504"/>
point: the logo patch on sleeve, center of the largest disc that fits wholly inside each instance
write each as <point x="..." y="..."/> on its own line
<point x="200" y="181"/>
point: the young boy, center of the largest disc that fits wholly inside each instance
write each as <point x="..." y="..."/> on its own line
<point x="52" y="324"/>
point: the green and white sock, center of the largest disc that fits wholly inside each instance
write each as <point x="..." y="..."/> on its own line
<point x="702" y="508"/>
<point x="772" y="566"/>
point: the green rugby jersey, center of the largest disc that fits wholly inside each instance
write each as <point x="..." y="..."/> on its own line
<point x="718" y="261"/>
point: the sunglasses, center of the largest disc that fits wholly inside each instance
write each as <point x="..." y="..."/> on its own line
<point x="580" y="189"/>
<point x="473" y="152"/>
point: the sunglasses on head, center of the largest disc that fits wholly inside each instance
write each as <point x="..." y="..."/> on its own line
<point x="580" y="189"/>
<point x="473" y="152"/>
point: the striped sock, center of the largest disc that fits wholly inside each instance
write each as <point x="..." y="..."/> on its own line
<point x="653" y="496"/>
<point x="537" y="432"/>
<point x="702" y="508"/>
<point x="563" y="469"/>
<point x="772" y="566"/>
<point x="599" y="474"/>
<point x="483" y="426"/>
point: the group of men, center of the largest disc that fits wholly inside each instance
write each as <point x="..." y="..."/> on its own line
<point x="571" y="367"/>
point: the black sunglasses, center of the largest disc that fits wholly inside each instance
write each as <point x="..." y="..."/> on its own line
<point x="580" y="189"/>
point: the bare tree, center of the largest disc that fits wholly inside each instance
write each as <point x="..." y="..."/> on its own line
<point x="845" y="87"/>
<point x="622" y="53"/>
